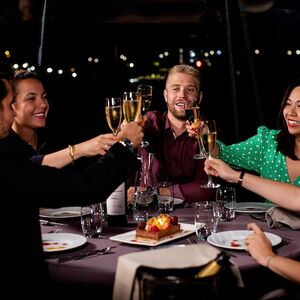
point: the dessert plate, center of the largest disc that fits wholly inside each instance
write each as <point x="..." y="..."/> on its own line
<point x="235" y="239"/>
<point x="53" y="242"/>
<point x="252" y="207"/>
<point x="129" y="237"/>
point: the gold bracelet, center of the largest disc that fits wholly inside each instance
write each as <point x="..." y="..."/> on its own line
<point x="71" y="153"/>
<point x="269" y="260"/>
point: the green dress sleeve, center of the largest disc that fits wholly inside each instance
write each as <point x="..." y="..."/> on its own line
<point x="251" y="153"/>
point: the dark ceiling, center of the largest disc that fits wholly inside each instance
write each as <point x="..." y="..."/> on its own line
<point x="206" y="23"/>
<point x="142" y="28"/>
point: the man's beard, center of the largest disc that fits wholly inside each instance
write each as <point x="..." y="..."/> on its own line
<point x="176" y="115"/>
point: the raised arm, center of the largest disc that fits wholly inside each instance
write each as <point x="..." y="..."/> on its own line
<point x="273" y="190"/>
<point x="95" y="146"/>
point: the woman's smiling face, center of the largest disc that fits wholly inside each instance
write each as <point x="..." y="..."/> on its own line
<point x="291" y="112"/>
<point x="31" y="105"/>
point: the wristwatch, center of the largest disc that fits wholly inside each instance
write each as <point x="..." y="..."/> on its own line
<point x="127" y="143"/>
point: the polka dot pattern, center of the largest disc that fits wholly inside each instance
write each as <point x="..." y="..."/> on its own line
<point x="259" y="154"/>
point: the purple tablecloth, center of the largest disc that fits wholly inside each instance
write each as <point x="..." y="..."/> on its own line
<point x="98" y="272"/>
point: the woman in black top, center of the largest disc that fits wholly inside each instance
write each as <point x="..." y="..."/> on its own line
<point x="24" y="187"/>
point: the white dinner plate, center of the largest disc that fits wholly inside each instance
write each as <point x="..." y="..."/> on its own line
<point x="178" y="201"/>
<point x="252" y="207"/>
<point x="53" y="242"/>
<point x="129" y="237"/>
<point x="60" y="213"/>
<point x="235" y="239"/>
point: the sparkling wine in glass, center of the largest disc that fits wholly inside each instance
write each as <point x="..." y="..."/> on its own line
<point x="113" y="113"/>
<point x="145" y="96"/>
<point x="208" y="136"/>
<point x="131" y="106"/>
<point x="193" y="117"/>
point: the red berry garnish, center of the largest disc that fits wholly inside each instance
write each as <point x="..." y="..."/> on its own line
<point x="174" y="220"/>
<point x="154" y="228"/>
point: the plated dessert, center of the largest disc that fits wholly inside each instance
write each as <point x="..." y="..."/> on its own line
<point x="157" y="228"/>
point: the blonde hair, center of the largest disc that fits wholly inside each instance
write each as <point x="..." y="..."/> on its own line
<point x="185" y="69"/>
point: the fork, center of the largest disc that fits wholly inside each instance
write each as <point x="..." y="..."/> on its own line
<point x="97" y="252"/>
<point x="57" y="230"/>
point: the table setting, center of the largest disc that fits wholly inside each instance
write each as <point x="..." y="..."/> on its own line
<point x="101" y="270"/>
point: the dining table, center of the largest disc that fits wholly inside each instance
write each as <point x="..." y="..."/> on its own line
<point x="96" y="273"/>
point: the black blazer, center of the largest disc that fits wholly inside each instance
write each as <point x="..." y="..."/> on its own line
<point x="25" y="186"/>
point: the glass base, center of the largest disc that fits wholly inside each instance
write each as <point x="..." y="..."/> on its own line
<point x="210" y="185"/>
<point x="200" y="156"/>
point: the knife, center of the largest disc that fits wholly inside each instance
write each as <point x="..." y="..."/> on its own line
<point x="86" y="254"/>
<point x="50" y="223"/>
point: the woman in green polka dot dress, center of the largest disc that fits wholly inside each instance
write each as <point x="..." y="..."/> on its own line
<point x="274" y="154"/>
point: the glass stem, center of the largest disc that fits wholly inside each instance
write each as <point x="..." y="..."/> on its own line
<point x="201" y="148"/>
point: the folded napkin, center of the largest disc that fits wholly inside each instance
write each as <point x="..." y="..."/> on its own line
<point x="278" y="217"/>
<point x="172" y="257"/>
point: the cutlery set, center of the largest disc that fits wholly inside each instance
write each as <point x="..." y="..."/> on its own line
<point x="97" y="252"/>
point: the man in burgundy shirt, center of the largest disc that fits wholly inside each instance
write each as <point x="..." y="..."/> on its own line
<point x="173" y="149"/>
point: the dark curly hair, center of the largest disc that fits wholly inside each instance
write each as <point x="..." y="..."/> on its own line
<point x="286" y="141"/>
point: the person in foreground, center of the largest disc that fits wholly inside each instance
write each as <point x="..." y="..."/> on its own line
<point x="257" y="243"/>
<point x="25" y="186"/>
<point x="261" y="250"/>
<point x="31" y="108"/>
<point x="169" y="141"/>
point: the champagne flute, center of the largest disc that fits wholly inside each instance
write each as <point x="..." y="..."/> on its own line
<point x="113" y="113"/>
<point x="131" y="106"/>
<point x="193" y="117"/>
<point x="208" y="136"/>
<point x="145" y="96"/>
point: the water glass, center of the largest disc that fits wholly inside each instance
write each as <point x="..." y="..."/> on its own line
<point x="144" y="204"/>
<point x="226" y="203"/>
<point x="91" y="220"/>
<point x="165" y="197"/>
<point x="206" y="219"/>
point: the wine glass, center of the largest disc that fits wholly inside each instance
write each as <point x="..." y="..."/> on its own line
<point x="145" y="96"/>
<point x="113" y="113"/>
<point x="208" y="136"/>
<point x="131" y="106"/>
<point x="193" y="117"/>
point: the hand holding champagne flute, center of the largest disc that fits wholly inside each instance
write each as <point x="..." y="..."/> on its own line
<point x="208" y="136"/>
<point x="193" y="117"/>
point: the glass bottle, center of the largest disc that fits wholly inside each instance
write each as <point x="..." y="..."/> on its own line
<point x="214" y="266"/>
<point x="116" y="205"/>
